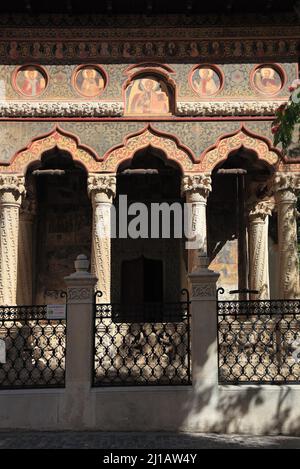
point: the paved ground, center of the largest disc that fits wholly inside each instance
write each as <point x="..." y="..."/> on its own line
<point x="151" y="440"/>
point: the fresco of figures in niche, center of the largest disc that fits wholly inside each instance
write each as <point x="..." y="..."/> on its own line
<point x="89" y="81"/>
<point x="206" y="81"/>
<point x="59" y="81"/>
<point x="267" y="80"/>
<point x="147" y="95"/>
<point x="30" y="81"/>
<point x="132" y="50"/>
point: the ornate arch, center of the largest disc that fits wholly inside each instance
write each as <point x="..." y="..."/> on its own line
<point x="243" y="138"/>
<point x="148" y="137"/>
<point x="57" y="138"/>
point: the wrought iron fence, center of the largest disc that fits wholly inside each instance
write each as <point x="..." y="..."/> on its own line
<point x="146" y="344"/>
<point x="258" y="341"/>
<point x="33" y="348"/>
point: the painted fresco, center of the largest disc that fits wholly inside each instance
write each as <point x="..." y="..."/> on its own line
<point x="89" y="81"/>
<point x="267" y="80"/>
<point x="205" y="81"/>
<point x="30" y="81"/>
<point x="238" y="82"/>
<point x="147" y="95"/>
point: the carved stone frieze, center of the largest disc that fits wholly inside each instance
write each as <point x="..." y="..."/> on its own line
<point x="116" y="108"/>
<point x="227" y="108"/>
<point x="61" y="109"/>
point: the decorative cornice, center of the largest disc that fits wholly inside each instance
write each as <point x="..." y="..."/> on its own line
<point x="60" y="109"/>
<point x="133" y="40"/>
<point x="228" y="108"/>
<point x="217" y="21"/>
<point x="116" y="108"/>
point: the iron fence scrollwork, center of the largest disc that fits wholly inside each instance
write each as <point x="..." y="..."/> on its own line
<point x="33" y="347"/>
<point x="147" y="344"/>
<point x="258" y="341"/>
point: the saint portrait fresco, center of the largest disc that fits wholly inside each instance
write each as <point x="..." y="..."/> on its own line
<point x="30" y="81"/>
<point x="147" y="95"/>
<point x="206" y="81"/>
<point x="89" y="81"/>
<point x="267" y="80"/>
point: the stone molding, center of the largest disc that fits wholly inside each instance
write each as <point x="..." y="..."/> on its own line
<point x="61" y="109"/>
<point x="228" y="108"/>
<point x="116" y="108"/>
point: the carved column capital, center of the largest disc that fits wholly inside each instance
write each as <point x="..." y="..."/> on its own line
<point x="259" y="210"/>
<point x="285" y="187"/>
<point x="198" y="186"/>
<point x="102" y="187"/>
<point x="12" y="189"/>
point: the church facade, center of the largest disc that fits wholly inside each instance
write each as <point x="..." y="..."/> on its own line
<point x="87" y="114"/>
<point x="103" y="119"/>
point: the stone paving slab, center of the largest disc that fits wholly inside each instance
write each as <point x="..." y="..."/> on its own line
<point x="139" y="440"/>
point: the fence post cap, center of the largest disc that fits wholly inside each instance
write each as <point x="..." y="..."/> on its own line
<point x="203" y="274"/>
<point x="81" y="263"/>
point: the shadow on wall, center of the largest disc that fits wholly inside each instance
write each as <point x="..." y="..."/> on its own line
<point x="256" y="410"/>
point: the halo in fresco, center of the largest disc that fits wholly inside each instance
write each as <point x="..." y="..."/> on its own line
<point x="206" y="81"/>
<point x="89" y="81"/>
<point x="267" y="80"/>
<point x="30" y="81"/>
<point x="147" y="95"/>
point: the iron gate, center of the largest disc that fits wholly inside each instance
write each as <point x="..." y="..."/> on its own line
<point x="147" y="344"/>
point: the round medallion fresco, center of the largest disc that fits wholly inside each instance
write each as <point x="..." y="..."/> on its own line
<point x="206" y="81"/>
<point x="30" y="80"/>
<point x="267" y="79"/>
<point x="89" y="81"/>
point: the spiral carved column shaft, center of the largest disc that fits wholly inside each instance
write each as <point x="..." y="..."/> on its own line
<point x="258" y="250"/>
<point x="25" y="252"/>
<point x="197" y="188"/>
<point x="285" y="189"/>
<point x="11" y="191"/>
<point x="102" y="189"/>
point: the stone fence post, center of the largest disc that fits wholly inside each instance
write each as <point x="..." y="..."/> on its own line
<point x="204" y="328"/>
<point x="80" y="291"/>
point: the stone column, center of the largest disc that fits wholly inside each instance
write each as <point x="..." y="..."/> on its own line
<point x="102" y="189"/>
<point x="285" y="187"/>
<point x="197" y="188"/>
<point x="78" y="410"/>
<point x="25" y="250"/>
<point x="259" y="212"/>
<point x="204" y="330"/>
<point x="12" y="189"/>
